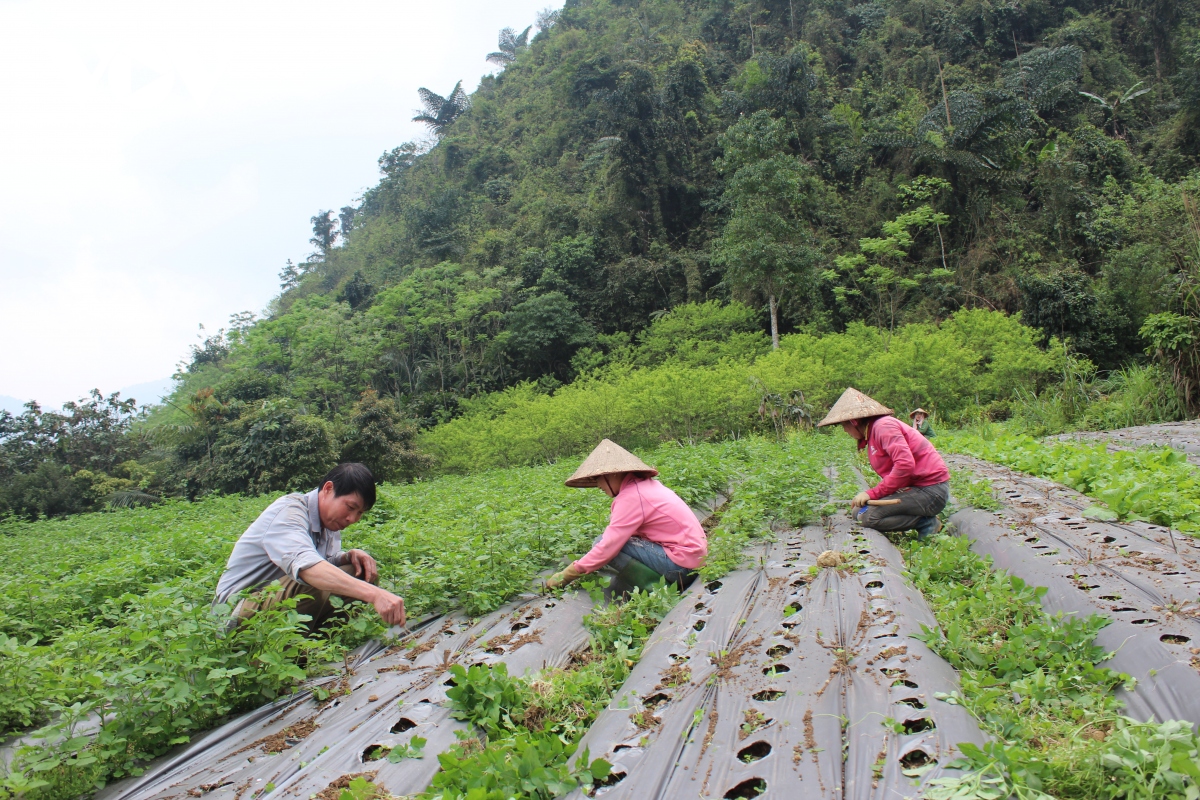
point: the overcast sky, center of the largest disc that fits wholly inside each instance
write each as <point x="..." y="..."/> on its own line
<point x="160" y="161"/>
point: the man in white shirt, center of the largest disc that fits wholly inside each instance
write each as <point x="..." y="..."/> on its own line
<point x="297" y="540"/>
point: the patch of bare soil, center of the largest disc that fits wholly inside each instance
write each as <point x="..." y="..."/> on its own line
<point x="674" y="675"/>
<point x="285" y="739"/>
<point x="733" y="658"/>
<point x="334" y="790"/>
<point x="512" y="641"/>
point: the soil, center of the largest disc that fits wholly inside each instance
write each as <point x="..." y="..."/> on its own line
<point x="334" y="790"/>
<point x="283" y="740"/>
<point x="674" y="675"/>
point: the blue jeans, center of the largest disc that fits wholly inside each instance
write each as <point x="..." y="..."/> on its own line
<point x="652" y="555"/>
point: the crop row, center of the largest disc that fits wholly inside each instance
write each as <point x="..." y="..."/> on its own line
<point x="1153" y="484"/>
<point x="118" y="629"/>
<point x="1038" y="686"/>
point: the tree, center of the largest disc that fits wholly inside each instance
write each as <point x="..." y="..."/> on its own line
<point x="382" y="438"/>
<point x="770" y="243"/>
<point x="289" y="276"/>
<point x="440" y="112"/>
<point x="1116" y="106"/>
<point x="885" y="284"/>
<point x="544" y="332"/>
<point x="274" y="447"/>
<point x="346" y="218"/>
<point x="511" y="45"/>
<point x="324" y="232"/>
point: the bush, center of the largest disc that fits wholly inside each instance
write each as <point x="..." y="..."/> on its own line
<point x="974" y="358"/>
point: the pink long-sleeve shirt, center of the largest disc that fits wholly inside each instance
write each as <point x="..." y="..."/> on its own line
<point x="644" y="507"/>
<point x="902" y="457"/>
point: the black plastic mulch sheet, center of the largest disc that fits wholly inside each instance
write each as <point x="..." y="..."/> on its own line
<point x="1182" y="436"/>
<point x="1140" y="576"/>
<point x="776" y="682"/>
<point x="303" y="746"/>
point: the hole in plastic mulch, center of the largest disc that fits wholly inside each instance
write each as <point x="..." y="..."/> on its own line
<point x="1174" y="638"/>
<point x="779" y="651"/>
<point x="916" y="758"/>
<point x="700" y="606"/>
<point x="752" y="787"/>
<point x="405" y="724"/>
<point x="612" y="780"/>
<point x="712" y="587"/>
<point x="918" y="725"/>
<point x="1109" y="539"/>
<point x="655" y="700"/>
<point x="758" y="750"/>
<point x="1032" y="539"/>
<point x="798" y="583"/>
<point x="912" y="702"/>
<point x="864" y="552"/>
<point x="887" y="636"/>
<point x="519" y="626"/>
<point x="776" y="669"/>
<point x="699" y="625"/>
<point x="1124" y="608"/>
<point x="1145" y="622"/>
<point x="375" y="752"/>
<point x="449" y="682"/>
<point x="767" y="695"/>
<point x="1110" y="597"/>
<point x="621" y="747"/>
<point x="875" y="585"/>
<point x="907" y="683"/>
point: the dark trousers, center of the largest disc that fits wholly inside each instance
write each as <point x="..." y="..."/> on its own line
<point x="917" y="505"/>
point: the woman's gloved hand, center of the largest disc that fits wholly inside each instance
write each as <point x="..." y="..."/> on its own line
<point x="860" y="500"/>
<point x="560" y="579"/>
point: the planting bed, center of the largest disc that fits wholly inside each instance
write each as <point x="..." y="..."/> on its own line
<point x="1142" y="577"/>
<point x="1181" y="436"/>
<point x="788" y="676"/>
<point x="301" y="746"/>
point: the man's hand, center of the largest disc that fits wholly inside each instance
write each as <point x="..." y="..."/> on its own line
<point x="860" y="500"/>
<point x="365" y="568"/>
<point x="559" y="579"/>
<point x="389" y="606"/>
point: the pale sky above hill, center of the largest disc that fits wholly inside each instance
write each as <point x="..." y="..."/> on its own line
<point x="160" y="161"/>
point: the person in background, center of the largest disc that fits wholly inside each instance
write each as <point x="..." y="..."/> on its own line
<point x="914" y="482"/>
<point x="920" y="421"/>
<point x="298" y="542"/>
<point x="648" y="523"/>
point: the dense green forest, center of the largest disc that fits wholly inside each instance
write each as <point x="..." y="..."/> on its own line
<point x="648" y="183"/>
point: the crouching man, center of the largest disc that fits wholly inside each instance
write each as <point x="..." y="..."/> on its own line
<point x="298" y="542"/>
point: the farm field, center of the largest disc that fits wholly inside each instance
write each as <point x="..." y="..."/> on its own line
<point x="116" y="629"/>
<point x="497" y="687"/>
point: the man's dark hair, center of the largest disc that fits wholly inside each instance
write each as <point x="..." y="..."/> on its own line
<point x="352" y="478"/>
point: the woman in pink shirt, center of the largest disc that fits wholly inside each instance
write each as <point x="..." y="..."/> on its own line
<point x="648" y="523"/>
<point x="911" y="471"/>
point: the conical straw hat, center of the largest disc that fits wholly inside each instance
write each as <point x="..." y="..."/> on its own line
<point x="608" y="458"/>
<point x="914" y="412"/>
<point x="853" y="404"/>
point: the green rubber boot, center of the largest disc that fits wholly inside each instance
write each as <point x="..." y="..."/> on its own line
<point x="638" y="574"/>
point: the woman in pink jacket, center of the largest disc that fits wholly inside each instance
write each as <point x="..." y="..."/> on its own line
<point x="648" y="523"/>
<point x="912" y="473"/>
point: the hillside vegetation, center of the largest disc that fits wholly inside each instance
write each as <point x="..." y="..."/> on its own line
<point x="855" y="174"/>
